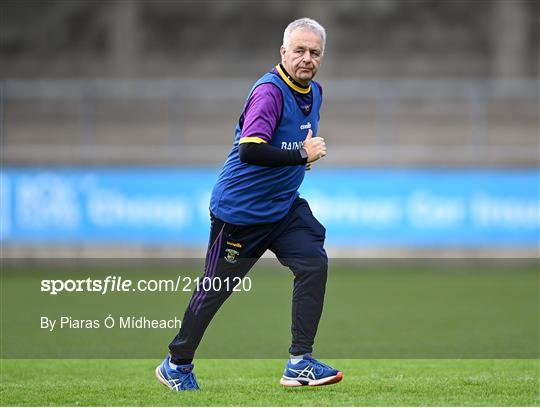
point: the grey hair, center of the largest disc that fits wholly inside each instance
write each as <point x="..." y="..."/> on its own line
<point x="306" y="24"/>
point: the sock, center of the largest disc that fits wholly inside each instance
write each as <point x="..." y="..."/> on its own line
<point x="178" y="362"/>
<point x="296" y="359"/>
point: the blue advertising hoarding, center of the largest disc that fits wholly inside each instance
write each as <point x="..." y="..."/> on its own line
<point x="409" y="208"/>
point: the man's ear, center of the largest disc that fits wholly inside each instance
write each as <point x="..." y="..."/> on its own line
<point x="282" y="52"/>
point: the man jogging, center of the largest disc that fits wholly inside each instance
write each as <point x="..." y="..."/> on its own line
<point x="255" y="206"/>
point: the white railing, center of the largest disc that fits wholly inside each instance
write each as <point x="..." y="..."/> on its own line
<point x="391" y="141"/>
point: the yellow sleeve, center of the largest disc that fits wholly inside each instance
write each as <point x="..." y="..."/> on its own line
<point x="252" y="139"/>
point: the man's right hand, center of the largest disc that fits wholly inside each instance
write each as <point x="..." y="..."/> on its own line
<point x="314" y="146"/>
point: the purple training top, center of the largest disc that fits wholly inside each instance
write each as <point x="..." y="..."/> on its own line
<point x="264" y="106"/>
<point x="262" y="112"/>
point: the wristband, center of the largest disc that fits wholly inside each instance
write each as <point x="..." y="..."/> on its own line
<point x="303" y="154"/>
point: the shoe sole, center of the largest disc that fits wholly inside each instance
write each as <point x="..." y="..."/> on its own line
<point x="286" y="382"/>
<point x="161" y="379"/>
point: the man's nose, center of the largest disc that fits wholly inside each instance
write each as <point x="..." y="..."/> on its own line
<point x="307" y="56"/>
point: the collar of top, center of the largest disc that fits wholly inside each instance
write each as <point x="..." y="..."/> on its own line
<point x="291" y="82"/>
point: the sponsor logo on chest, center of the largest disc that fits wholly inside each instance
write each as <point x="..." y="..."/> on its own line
<point x="296" y="145"/>
<point x="292" y="145"/>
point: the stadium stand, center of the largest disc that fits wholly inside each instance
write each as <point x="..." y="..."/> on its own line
<point x="162" y="83"/>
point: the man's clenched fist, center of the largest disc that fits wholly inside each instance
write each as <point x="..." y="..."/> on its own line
<point x="314" y="146"/>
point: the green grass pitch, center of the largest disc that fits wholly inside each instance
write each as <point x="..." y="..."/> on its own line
<point x="255" y="383"/>
<point x="403" y="333"/>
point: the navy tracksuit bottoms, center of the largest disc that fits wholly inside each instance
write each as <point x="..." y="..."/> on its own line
<point x="297" y="241"/>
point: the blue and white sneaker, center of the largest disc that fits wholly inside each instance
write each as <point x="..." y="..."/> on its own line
<point x="309" y="371"/>
<point x="180" y="378"/>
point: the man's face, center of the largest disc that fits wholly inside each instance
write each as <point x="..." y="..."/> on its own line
<point x="302" y="56"/>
